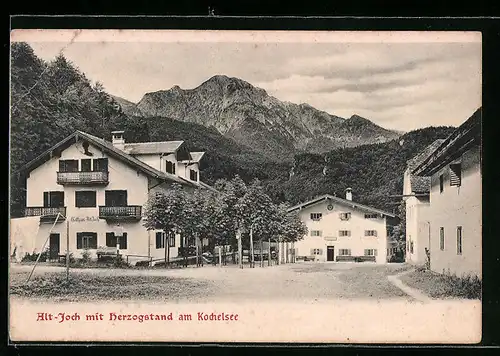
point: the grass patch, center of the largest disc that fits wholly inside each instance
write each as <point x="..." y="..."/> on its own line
<point x="88" y="287"/>
<point x="444" y="286"/>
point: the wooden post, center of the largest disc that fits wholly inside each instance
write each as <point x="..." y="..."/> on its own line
<point x="67" y="249"/>
<point x="261" y="254"/>
<point x="197" y="251"/>
<point x="165" y="244"/>
<point x="220" y="256"/>
<point x="251" y="247"/>
<point x="269" y="253"/>
<point x="286" y="252"/>
<point x="240" y="249"/>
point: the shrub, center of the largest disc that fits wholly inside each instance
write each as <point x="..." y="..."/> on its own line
<point x="119" y="262"/>
<point x="32" y="257"/>
<point x="86" y="256"/>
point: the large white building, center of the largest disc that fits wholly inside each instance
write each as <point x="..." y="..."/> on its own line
<point x="343" y="230"/>
<point x="454" y="214"/>
<point x="99" y="188"/>
<point x="416" y="197"/>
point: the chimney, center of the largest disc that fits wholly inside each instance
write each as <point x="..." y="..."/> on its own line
<point x="348" y="194"/>
<point x="118" y="140"/>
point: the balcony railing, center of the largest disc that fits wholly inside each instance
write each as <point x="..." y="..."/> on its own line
<point x="82" y="178"/>
<point x="46" y="214"/>
<point x="129" y="212"/>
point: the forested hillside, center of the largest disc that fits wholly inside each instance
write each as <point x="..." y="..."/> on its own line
<point x="51" y="100"/>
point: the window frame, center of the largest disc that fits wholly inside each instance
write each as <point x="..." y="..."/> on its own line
<point x="344" y="233"/>
<point x="318" y="216"/>
<point x="80" y="242"/>
<point x="78" y="194"/>
<point x="441" y="183"/>
<point x="89" y="160"/>
<point x="373" y="251"/>
<point x="344" y="252"/>
<point x="371" y="233"/>
<point x="320" y="233"/>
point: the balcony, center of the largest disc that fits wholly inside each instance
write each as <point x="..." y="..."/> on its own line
<point x="47" y="215"/>
<point x="120" y="213"/>
<point x="83" y="178"/>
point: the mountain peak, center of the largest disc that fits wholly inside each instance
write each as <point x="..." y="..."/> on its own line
<point x="358" y="118"/>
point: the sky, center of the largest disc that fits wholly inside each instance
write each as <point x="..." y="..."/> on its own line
<point x="399" y="82"/>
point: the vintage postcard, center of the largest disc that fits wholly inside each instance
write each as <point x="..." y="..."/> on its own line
<point x="239" y="186"/>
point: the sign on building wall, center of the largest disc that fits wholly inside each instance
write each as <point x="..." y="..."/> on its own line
<point x="84" y="218"/>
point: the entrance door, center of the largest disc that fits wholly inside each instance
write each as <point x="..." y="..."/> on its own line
<point x="54" y="246"/>
<point x="330" y="253"/>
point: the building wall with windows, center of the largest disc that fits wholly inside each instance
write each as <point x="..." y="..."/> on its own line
<point x="454" y="208"/>
<point x="351" y="235"/>
<point x="417" y="229"/>
<point x="82" y="207"/>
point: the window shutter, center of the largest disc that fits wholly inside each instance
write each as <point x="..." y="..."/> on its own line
<point x="110" y="241"/>
<point x="158" y="239"/>
<point x="45" y="199"/>
<point x="455" y="174"/>
<point x="123" y="241"/>
<point x="79" y="240"/>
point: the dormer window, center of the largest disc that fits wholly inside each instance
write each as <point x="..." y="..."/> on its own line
<point x="170" y="167"/>
<point x="193" y="175"/>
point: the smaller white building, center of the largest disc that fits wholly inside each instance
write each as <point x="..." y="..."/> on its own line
<point x="343" y="230"/>
<point x="416" y="197"/>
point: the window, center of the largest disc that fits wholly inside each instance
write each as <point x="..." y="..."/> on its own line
<point x="115" y="198"/>
<point x="407" y="245"/>
<point x="371" y="216"/>
<point x="459" y="240"/>
<point x="411" y="246"/>
<point x="344" y="233"/>
<point x="53" y="199"/>
<point x="316" y="232"/>
<point x="85" y="199"/>
<point x="441" y="238"/>
<point x="100" y="165"/>
<point x="193" y="175"/>
<point x="86" y="240"/>
<point x="86" y="163"/>
<point x="169" y="167"/>
<point x="455" y="174"/>
<point x="160" y="240"/>
<point x="316" y="216"/>
<point x="441" y="183"/>
<point x="171" y="239"/>
<point x="370" y="232"/>
<point x="111" y="240"/>
<point x="344" y="252"/>
<point x="370" y="252"/>
<point x="68" y="165"/>
<point x="316" y="251"/>
<point x="345" y="216"/>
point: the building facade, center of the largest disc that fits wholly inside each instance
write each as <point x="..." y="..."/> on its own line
<point x="343" y="230"/>
<point x="455" y="213"/>
<point x="416" y="191"/>
<point x="88" y="191"/>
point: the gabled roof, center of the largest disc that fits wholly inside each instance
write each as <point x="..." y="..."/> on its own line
<point x="421" y="184"/>
<point x="143" y="148"/>
<point x="462" y="139"/>
<point x="107" y="147"/>
<point x="341" y="201"/>
<point x="195" y="157"/>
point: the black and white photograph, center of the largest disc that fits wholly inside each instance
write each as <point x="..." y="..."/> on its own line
<point x="245" y="186"/>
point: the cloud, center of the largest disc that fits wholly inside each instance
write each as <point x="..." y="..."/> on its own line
<point x="397" y="85"/>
